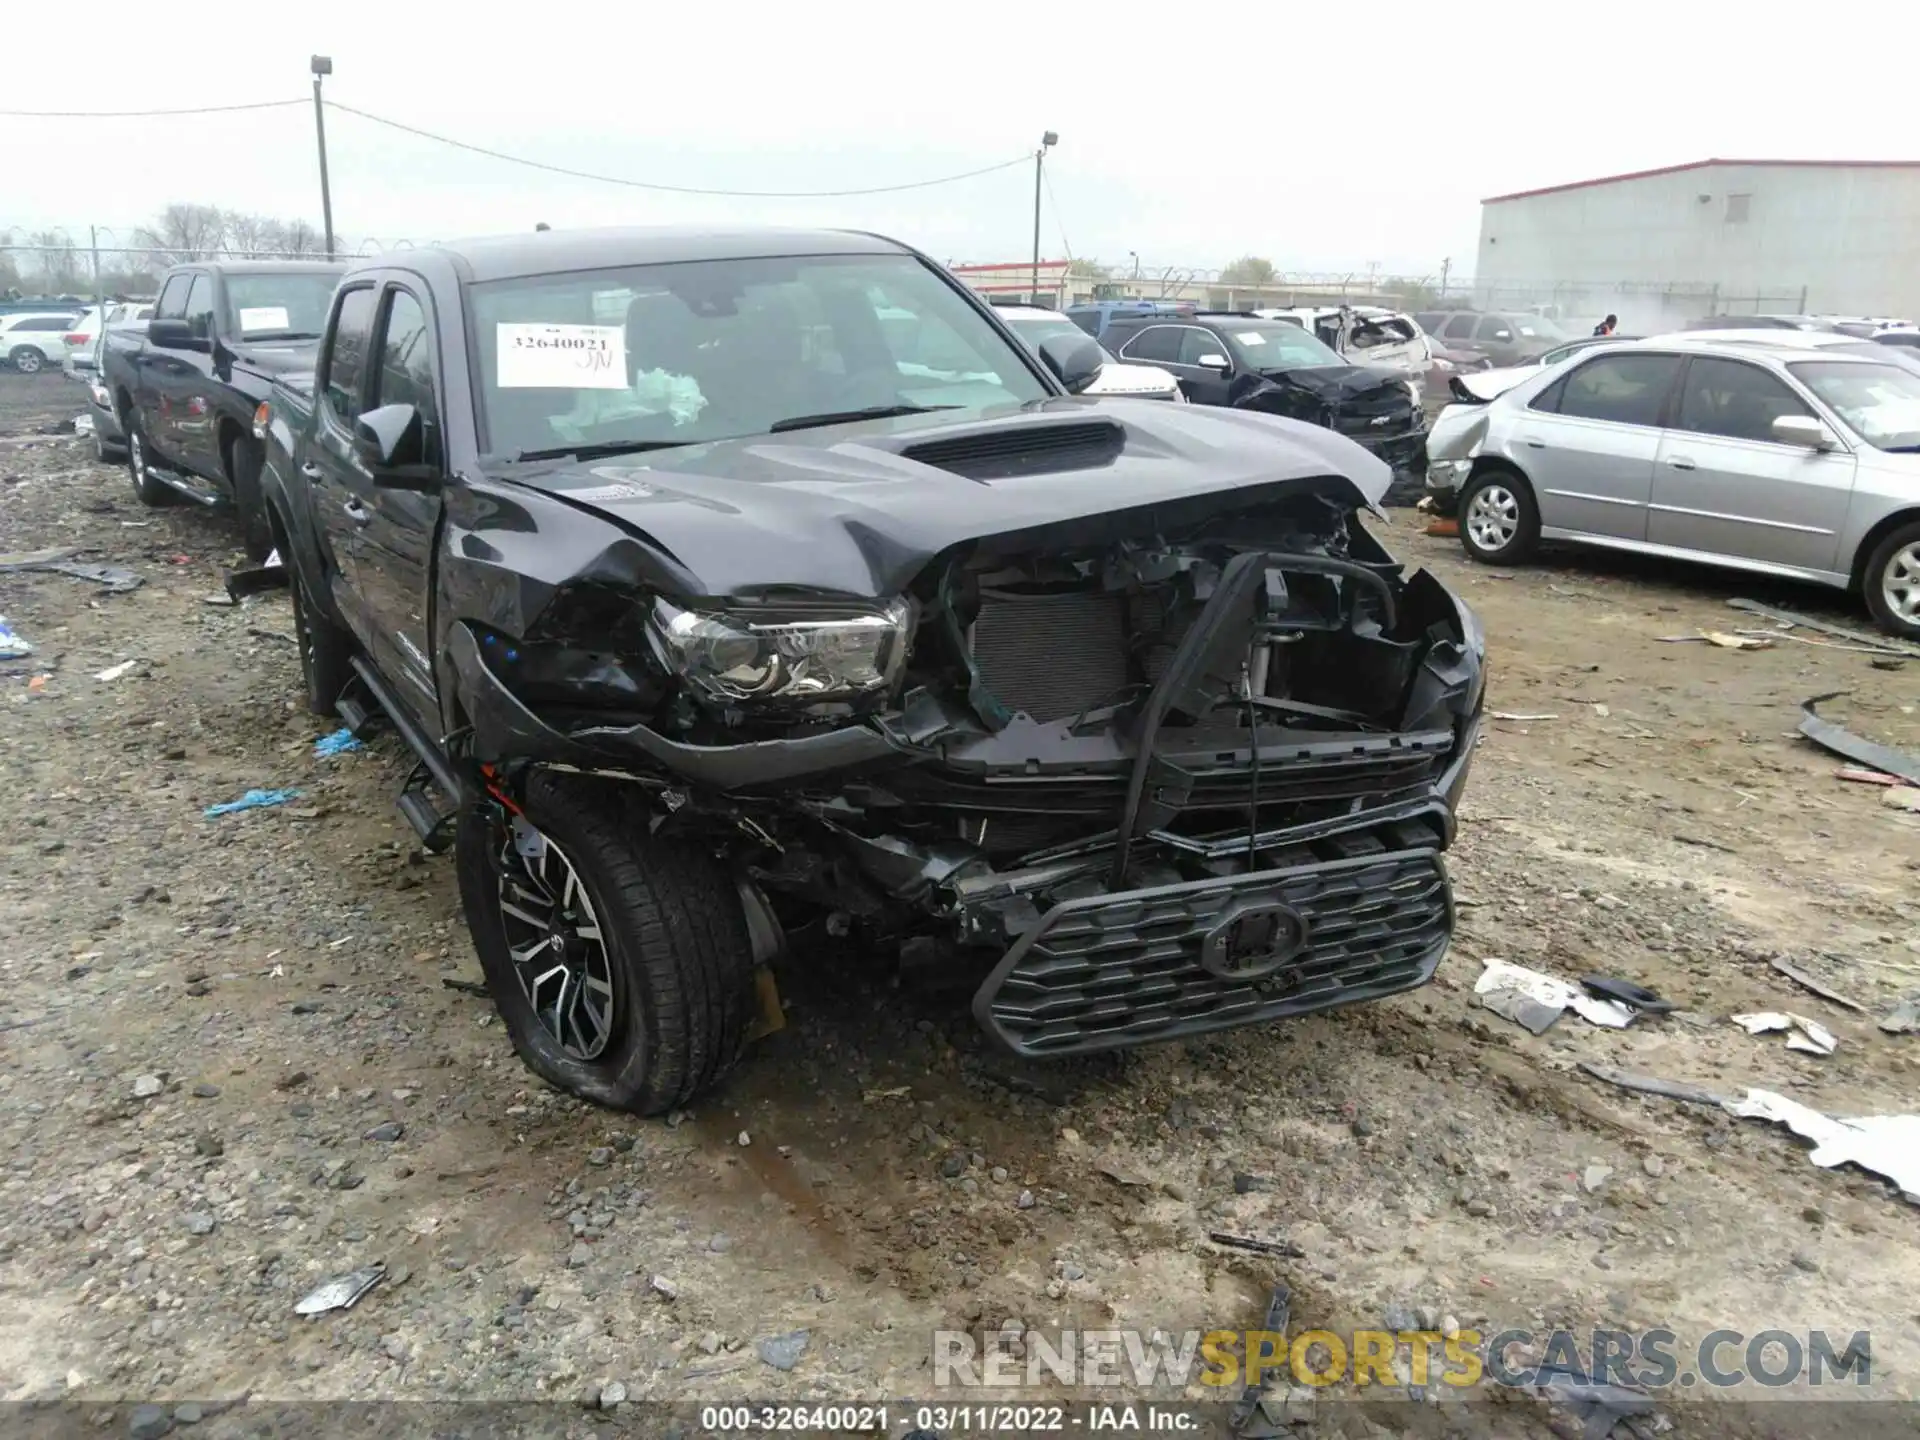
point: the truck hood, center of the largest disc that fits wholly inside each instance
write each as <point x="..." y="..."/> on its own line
<point x="1119" y="377"/>
<point x="860" y="510"/>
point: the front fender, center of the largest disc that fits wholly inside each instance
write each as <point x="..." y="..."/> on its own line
<point x="288" y="497"/>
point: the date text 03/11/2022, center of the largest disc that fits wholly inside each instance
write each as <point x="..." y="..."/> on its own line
<point x="929" y="1420"/>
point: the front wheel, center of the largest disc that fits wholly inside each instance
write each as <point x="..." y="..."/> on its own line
<point x="621" y="964"/>
<point x="1891" y="582"/>
<point x="1499" y="521"/>
<point x="326" y="650"/>
<point x="243" y="473"/>
<point x="150" y="490"/>
<point x="27" y="360"/>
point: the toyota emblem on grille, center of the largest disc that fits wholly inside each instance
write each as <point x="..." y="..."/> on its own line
<point x="1380" y="420"/>
<point x="1253" y="940"/>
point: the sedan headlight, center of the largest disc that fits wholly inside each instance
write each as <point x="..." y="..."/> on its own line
<point x="100" y="396"/>
<point x="733" y="657"/>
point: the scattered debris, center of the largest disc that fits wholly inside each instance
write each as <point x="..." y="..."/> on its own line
<point x="342" y="1292"/>
<point x="114" y="672"/>
<point x="1638" y="997"/>
<point x="1906" y="797"/>
<point x="1888" y="1145"/>
<point x="1285" y="1249"/>
<point x="270" y="576"/>
<point x="338" y="743"/>
<point x="12" y="645"/>
<point x="1904" y="1017"/>
<point x="1653" y="1085"/>
<point x="1700" y="843"/>
<point x="1808" y="982"/>
<point x="38" y="684"/>
<point x="252" y="800"/>
<point x="1534" y="1000"/>
<point x="1735" y="642"/>
<point x="1848" y="746"/>
<point x="1120" y="1175"/>
<point x="664" y="1288"/>
<point x="466" y="987"/>
<point x="221" y="599"/>
<point x="782" y="1352"/>
<point x="889" y="1092"/>
<point x="1594" y="1176"/>
<point x="1789" y="617"/>
<point x="1241" y="1419"/>
<point x="145" y="1087"/>
<point x="1803" y="1034"/>
<point x="1868" y="777"/>
<point x="1514" y="715"/>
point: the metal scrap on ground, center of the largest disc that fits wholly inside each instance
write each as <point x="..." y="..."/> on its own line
<point x="1534" y="1000"/>
<point x="1818" y="987"/>
<point x="1887" y="1145"/>
<point x="1802" y="1033"/>
<point x="1849" y="746"/>
<point x="1826" y="627"/>
<point x="342" y="1292"/>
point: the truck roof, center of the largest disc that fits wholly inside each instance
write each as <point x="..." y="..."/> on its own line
<point x="264" y="267"/>
<point x="545" y="252"/>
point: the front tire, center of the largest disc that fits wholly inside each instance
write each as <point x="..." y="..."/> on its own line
<point x="1498" y="517"/>
<point x="326" y="650"/>
<point x="27" y="360"/>
<point x="243" y="474"/>
<point x="1890" y="583"/>
<point x="620" y="963"/>
<point x="151" y="491"/>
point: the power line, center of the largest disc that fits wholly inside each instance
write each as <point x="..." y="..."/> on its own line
<point x="672" y="189"/>
<point x="136" y="114"/>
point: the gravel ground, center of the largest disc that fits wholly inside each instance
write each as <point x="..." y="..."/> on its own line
<point x="231" y="1068"/>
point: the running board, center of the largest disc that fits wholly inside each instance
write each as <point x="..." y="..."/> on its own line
<point x="429" y="821"/>
<point x="212" y="499"/>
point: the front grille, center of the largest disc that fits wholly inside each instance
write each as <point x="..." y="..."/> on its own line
<point x="1023" y="450"/>
<point x="1125" y="969"/>
<point x="1053" y="654"/>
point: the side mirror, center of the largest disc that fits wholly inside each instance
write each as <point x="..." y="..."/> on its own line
<point x="1074" y="360"/>
<point x="1803" y="430"/>
<point x="175" y="335"/>
<point x="1216" y="362"/>
<point x="392" y="442"/>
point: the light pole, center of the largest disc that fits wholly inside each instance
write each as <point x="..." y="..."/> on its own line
<point x="322" y="65"/>
<point x="1047" y="142"/>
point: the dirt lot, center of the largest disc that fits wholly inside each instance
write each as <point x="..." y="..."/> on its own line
<point x="277" y="975"/>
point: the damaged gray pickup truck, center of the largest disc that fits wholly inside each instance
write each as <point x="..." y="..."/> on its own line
<point x="730" y="584"/>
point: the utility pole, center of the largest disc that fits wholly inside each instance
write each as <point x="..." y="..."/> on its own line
<point x="99" y="295"/>
<point x="1445" y="266"/>
<point x="1047" y="142"/>
<point x="322" y="65"/>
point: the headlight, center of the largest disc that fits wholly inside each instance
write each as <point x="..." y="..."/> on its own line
<point x="100" y="396"/>
<point x="260" y="420"/>
<point x="1447" y="474"/>
<point x="733" y="657"/>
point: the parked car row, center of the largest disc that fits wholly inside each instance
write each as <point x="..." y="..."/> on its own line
<point x="35" y="340"/>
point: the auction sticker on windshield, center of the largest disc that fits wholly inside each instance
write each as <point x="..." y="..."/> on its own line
<point x="264" y="317"/>
<point x="1249" y="337"/>
<point x="562" y="357"/>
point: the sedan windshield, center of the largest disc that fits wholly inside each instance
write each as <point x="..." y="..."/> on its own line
<point x="1032" y="329"/>
<point x="279" y="306"/>
<point x="1276" y="345"/>
<point x="1879" y="403"/>
<point x="678" y="354"/>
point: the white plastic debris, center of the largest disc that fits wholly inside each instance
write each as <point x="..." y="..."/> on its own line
<point x="342" y="1292"/>
<point x="12" y="645"/>
<point x="1500" y="982"/>
<point x="83" y="424"/>
<point x="1803" y="1034"/>
<point x="1887" y="1145"/>
<point x="114" y="672"/>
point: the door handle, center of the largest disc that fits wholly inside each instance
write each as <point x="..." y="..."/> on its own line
<point x="1679" y="462"/>
<point x="1533" y="444"/>
<point x="357" y="512"/>
<point x="310" y="470"/>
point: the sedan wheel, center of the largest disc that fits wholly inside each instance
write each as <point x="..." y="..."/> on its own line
<point x="1901" y="582"/>
<point x="1499" y="521"/>
<point x="27" y="360"/>
<point x="1891" y="582"/>
<point x="554" y="937"/>
<point x="1494" y="517"/>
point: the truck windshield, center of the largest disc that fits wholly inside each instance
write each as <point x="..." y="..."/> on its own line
<point x="706" y="350"/>
<point x="1276" y="345"/>
<point x="278" y="307"/>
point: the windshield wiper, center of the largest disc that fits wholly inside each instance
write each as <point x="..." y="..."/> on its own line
<point x="1900" y="449"/>
<point x="598" y="451"/>
<point x="847" y="417"/>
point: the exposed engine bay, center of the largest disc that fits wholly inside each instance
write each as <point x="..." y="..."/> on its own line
<point x="1133" y="786"/>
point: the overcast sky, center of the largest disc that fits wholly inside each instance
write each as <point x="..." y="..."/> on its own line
<point x="1326" y="137"/>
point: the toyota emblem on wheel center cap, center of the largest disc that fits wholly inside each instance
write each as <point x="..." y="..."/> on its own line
<point x="1252" y="940"/>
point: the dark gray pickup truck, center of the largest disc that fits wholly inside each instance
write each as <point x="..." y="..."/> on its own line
<point x="185" y="386"/>
<point x="739" y="590"/>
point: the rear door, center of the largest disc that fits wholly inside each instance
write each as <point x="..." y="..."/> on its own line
<point x="195" y="443"/>
<point x="342" y="488"/>
<point x="1724" y="484"/>
<point x="155" y="370"/>
<point x="1588" y="443"/>
<point x="396" y="543"/>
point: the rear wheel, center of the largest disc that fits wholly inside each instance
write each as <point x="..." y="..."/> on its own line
<point x="27" y="360"/>
<point x="150" y="490"/>
<point x="1499" y="521"/>
<point x="621" y="964"/>
<point x="243" y="473"/>
<point x="1890" y="582"/>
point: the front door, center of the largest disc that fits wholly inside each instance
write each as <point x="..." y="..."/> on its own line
<point x="1726" y="485"/>
<point x="1588" y="443"/>
<point x="397" y="542"/>
<point x="342" y="486"/>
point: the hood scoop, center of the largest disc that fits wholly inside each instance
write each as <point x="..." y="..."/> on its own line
<point x="1023" y="450"/>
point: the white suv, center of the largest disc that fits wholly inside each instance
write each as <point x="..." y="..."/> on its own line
<point x="33" y="341"/>
<point x="1140" y="382"/>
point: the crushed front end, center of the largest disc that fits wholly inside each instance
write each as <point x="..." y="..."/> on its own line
<point x="1130" y="782"/>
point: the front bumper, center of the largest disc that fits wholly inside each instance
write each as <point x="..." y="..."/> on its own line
<point x="106" y="425"/>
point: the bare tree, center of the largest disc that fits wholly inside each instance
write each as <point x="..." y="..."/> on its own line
<point x="184" y="232"/>
<point x="1249" y="270"/>
<point x="298" y="238"/>
<point x="250" y="235"/>
<point x="57" y="260"/>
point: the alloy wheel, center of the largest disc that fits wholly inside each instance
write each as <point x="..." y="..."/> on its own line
<point x="1493" y="519"/>
<point x="558" y="948"/>
<point x="1900" y="583"/>
<point x="27" y="361"/>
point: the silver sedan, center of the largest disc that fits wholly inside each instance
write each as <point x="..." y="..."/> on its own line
<point x="1774" y="459"/>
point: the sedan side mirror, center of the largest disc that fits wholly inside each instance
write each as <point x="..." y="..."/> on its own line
<point x="392" y="441"/>
<point x="1216" y="362"/>
<point x="1803" y="430"/>
<point x="1075" y="360"/>
<point x="175" y="335"/>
